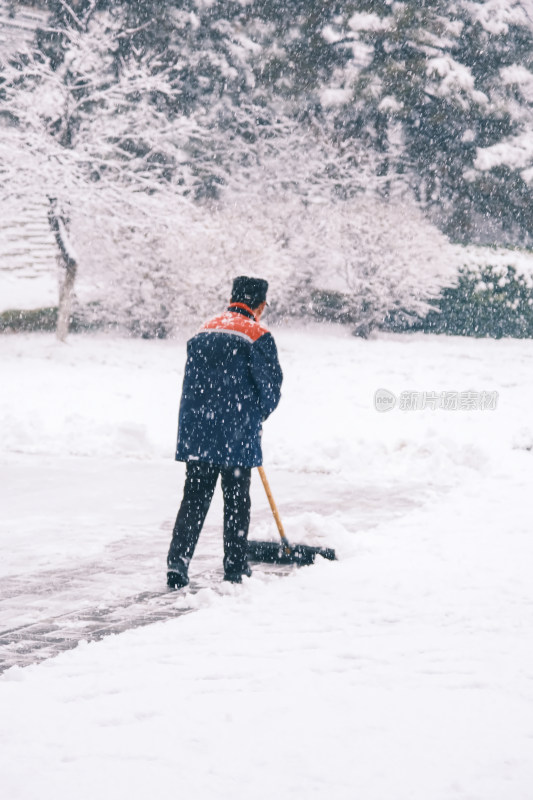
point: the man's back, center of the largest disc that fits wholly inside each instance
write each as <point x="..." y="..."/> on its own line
<point x="232" y="383"/>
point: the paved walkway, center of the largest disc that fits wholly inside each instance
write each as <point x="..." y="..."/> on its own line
<point x="54" y="630"/>
<point x="97" y="520"/>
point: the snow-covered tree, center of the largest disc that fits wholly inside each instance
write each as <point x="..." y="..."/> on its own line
<point x="89" y="135"/>
<point x="183" y="153"/>
<point x="448" y="82"/>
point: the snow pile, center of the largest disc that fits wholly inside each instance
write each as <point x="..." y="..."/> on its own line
<point x="91" y="397"/>
<point x="101" y="395"/>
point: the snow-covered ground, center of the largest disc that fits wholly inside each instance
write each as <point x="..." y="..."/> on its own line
<point x="403" y="671"/>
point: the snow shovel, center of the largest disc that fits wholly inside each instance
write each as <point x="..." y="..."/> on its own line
<point x="284" y="552"/>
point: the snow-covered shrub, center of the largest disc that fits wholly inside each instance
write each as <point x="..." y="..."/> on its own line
<point x="368" y="261"/>
<point x="491" y="301"/>
<point x="177" y="267"/>
<point x="359" y="261"/>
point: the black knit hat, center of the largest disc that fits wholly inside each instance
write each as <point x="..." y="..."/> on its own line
<point x="251" y="291"/>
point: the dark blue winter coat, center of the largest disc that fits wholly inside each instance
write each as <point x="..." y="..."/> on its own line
<point x="232" y="383"/>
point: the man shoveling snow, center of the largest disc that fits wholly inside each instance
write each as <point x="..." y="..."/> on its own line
<point x="231" y="385"/>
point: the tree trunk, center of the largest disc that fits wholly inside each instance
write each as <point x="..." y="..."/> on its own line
<point x="64" y="311"/>
<point x="68" y="266"/>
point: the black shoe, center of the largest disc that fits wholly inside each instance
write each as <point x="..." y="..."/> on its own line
<point x="235" y="576"/>
<point x="177" y="575"/>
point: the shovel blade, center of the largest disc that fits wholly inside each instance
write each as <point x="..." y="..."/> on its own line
<point x="275" y="553"/>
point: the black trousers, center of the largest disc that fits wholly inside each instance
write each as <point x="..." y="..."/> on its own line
<point x="200" y="482"/>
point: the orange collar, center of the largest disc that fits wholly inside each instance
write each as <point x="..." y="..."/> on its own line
<point x="246" y="308"/>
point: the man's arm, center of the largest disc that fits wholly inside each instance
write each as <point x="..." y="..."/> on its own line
<point x="266" y="373"/>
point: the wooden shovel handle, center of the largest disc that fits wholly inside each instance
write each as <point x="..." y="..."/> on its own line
<point x="273" y="507"/>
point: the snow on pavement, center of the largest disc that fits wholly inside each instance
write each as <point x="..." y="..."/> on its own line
<point x="404" y="670"/>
